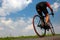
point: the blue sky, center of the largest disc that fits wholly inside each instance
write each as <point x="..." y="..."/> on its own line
<point x="16" y="16"/>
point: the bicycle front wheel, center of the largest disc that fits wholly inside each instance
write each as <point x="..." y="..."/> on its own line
<point x="38" y="30"/>
<point x="52" y="29"/>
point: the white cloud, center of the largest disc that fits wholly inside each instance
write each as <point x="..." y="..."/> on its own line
<point x="21" y="25"/>
<point x="56" y="28"/>
<point x="28" y="28"/>
<point x="7" y="23"/>
<point x="12" y="6"/>
<point x="55" y="6"/>
<point x="1" y="28"/>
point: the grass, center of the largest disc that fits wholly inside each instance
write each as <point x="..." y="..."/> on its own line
<point x="28" y="36"/>
<point x="22" y="37"/>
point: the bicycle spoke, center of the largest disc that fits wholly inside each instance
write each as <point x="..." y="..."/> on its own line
<point x="39" y="31"/>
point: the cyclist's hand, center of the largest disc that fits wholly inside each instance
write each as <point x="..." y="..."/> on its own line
<point x="52" y="14"/>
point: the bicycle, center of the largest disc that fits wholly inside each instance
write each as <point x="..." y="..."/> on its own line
<point x="39" y="30"/>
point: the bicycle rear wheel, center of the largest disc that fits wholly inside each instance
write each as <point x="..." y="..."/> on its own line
<point x="38" y="30"/>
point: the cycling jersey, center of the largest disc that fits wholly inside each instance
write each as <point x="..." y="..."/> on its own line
<point x="42" y="7"/>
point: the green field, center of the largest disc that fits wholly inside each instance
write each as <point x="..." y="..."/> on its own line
<point x="20" y="37"/>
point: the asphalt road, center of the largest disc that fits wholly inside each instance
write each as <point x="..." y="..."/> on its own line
<point x="43" y="38"/>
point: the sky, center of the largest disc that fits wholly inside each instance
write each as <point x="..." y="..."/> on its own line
<point x="16" y="17"/>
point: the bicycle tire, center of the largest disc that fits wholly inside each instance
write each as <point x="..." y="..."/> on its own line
<point x="52" y="29"/>
<point x="36" y="29"/>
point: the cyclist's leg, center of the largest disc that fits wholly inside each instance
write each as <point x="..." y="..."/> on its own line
<point x="49" y="23"/>
<point x="47" y="18"/>
<point x="39" y="10"/>
<point x="46" y="15"/>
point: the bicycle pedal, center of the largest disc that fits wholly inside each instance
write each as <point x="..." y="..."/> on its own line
<point x="47" y="29"/>
<point x="39" y="26"/>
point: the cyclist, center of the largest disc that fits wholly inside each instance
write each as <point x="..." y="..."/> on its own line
<point x="42" y="7"/>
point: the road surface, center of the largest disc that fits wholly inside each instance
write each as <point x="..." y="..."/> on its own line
<point x="43" y="38"/>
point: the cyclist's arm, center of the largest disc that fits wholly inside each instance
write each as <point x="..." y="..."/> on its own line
<point x="48" y="5"/>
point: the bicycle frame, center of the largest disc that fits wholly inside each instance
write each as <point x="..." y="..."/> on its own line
<point x="51" y="27"/>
